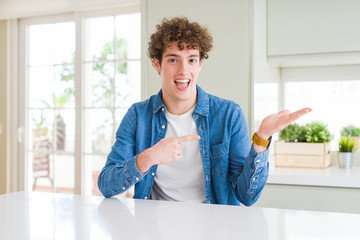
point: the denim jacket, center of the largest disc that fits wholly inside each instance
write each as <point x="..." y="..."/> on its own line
<point x="234" y="172"/>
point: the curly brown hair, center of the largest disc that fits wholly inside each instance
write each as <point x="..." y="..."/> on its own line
<point x="182" y="31"/>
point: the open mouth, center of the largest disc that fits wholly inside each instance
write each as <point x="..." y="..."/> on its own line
<point x="182" y="84"/>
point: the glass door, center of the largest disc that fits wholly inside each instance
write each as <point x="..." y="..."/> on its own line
<point x="112" y="84"/>
<point x="51" y="107"/>
<point x="80" y="76"/>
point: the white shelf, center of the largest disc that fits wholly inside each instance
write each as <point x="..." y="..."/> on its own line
<point x="332" y="176"/>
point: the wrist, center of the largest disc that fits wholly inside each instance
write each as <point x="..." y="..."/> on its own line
<point x="144" y="161"/>
<point x="259" y="149"/>
<point x="260" y="141"/>
<point x="262" y="135"/>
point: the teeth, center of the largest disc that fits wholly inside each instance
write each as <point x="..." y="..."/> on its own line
<point x="182" y="81"/>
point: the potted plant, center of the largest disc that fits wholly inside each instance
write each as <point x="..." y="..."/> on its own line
<point x="346" y="151"/>
<point x="317" y="132"/>
<point x="353" y="132"/>
<point x="304" y="146"/>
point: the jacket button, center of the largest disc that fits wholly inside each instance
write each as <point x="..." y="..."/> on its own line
<point x="145" y="198"/>
<point x="163" y="126"/>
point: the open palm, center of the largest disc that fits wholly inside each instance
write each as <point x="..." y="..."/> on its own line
<point x="278" y="121"/>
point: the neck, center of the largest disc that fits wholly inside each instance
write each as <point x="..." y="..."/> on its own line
<point x="179" y="107"/>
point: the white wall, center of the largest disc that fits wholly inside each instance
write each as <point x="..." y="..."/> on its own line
<point x="4" y="109"/>
<point x="264" y="75"/>
<point x="226" y="73"/>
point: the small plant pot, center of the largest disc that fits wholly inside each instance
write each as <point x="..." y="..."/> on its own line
<point x="345" y="159"/>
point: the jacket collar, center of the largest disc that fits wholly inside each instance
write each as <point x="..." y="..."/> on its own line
<point x="158" y="103"/>
<point x="202" y="104"/>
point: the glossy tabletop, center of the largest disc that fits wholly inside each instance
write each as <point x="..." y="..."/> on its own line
<point x="60" y="216"/>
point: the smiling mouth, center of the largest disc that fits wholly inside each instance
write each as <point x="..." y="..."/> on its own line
<point x="182" y="84"/>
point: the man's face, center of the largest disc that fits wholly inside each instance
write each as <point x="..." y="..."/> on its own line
<point x="179" y="70"/>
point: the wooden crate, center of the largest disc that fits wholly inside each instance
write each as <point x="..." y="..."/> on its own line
<point x="307" y="155"/>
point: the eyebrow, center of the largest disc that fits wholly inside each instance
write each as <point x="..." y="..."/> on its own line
<point x="175" y="55"/>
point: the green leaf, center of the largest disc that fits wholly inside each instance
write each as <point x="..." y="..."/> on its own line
<point x="350" y="130"/>
<point x="317" y="132"/>
<point x="314" y="132"/>
<point x="346" y="144"/>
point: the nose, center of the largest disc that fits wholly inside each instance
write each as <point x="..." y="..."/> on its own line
<point x="183" y="68"/>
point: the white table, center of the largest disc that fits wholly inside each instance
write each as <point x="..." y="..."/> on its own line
<point x="60" y="216"/>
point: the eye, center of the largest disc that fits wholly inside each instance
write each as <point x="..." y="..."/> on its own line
<point x="172" y="60"/>
<point x="193" y="60"/>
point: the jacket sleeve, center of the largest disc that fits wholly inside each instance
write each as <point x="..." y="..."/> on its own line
<point x="248" y="170"/>
<point x="120" y="171"/>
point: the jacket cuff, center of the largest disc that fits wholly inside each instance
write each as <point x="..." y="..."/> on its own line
<point x="132" y="176"/>
<point x="132" y="170"/>
<point x="257" y="158"/>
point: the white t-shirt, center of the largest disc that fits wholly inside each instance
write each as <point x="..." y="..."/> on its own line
<point x="182" y="180"/>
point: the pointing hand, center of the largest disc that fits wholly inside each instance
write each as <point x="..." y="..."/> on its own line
<point x="166" y="151"/>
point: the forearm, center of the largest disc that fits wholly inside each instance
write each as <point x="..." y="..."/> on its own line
<point x="116" y="179"/>
<point x="253" y="177"/>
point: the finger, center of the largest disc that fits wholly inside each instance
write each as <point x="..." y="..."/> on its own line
<point x="188" y="138"/>
<point x="179" y="146"/>
<point x="283" y="113"/>
<point x="296" y="115"/>
<point x="299" y="113"/>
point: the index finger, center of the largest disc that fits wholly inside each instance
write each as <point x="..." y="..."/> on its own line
<point x="188" y="138"/>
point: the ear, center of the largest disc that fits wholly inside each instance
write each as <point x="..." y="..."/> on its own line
<point x="156" y="65"/>
<point x="200" y="63"/>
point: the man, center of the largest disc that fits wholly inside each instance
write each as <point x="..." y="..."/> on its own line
<point x="184" y="144"/>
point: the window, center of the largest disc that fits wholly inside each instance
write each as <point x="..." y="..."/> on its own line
<point x="266" y="101"/>
<point x="334" y="102"/>
<point x="81" y="74"/>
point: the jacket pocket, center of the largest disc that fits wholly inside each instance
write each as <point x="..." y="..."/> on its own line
<point x="219" y="159"/>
